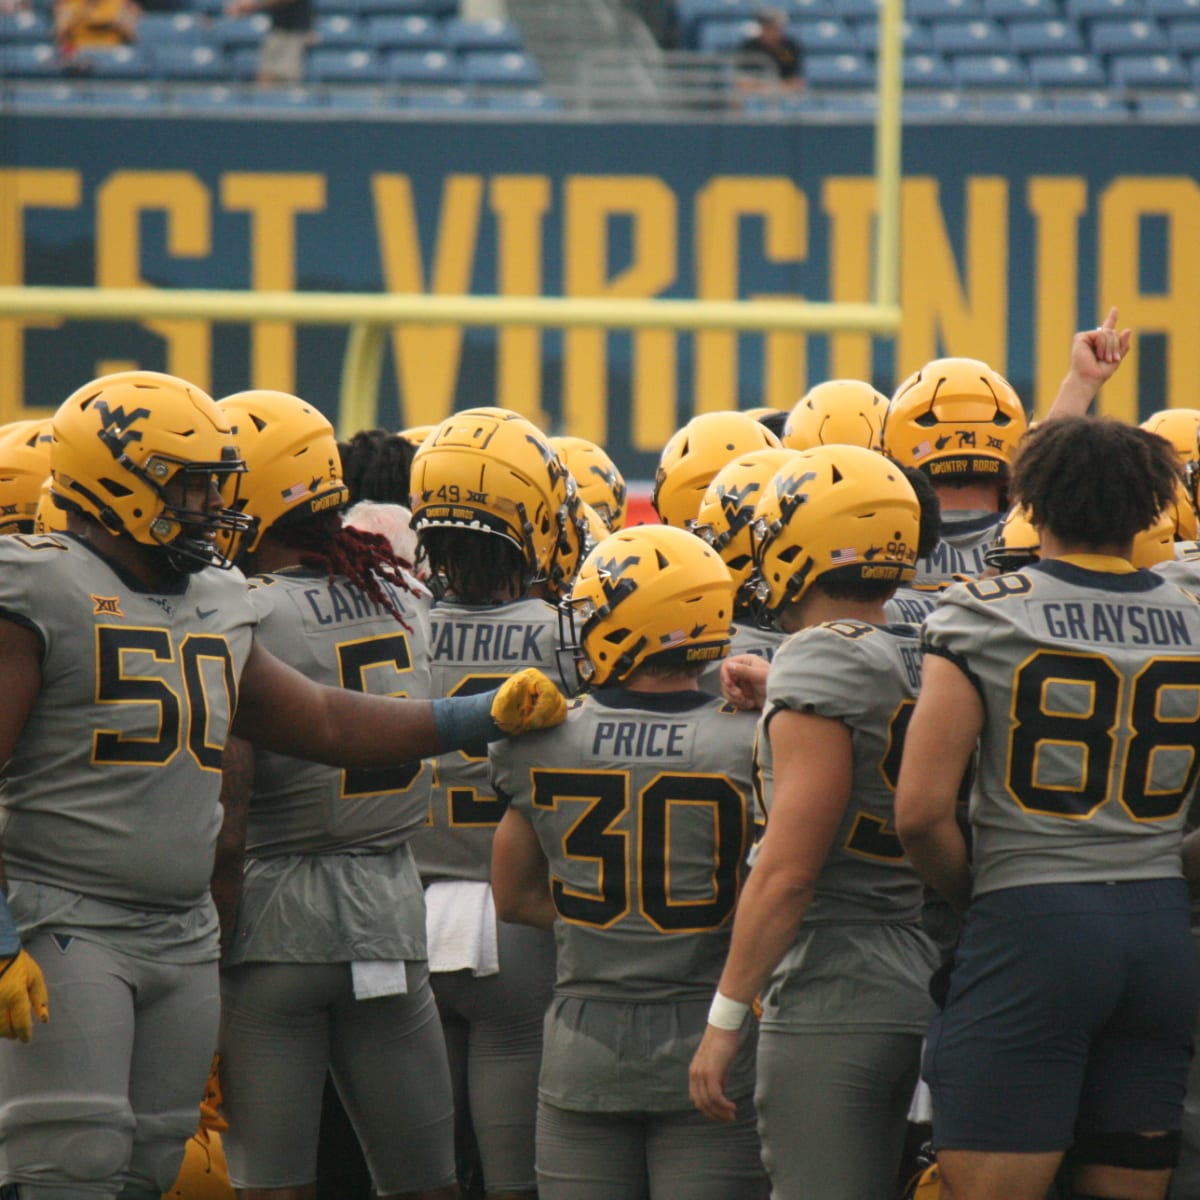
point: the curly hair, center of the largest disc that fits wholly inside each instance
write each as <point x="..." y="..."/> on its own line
<point x="365" y="559"/>
<point x="473" y="566"/>
<point x="376" y="465"/>
<point x="1094" y="481"/>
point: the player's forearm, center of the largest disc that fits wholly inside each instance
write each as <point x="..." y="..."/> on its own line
<point x="237" y="786"/>
<point x="938" y="854"/>
<point x="768" y="916"/>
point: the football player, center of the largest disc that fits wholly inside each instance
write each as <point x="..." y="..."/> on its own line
<point x="838" y="411"/>
<point x="628" y="836"/>
<point x="128" y="649"/>
<point x="959" y="422"/>
<point x="725" y="522"/>
<point x="24" y="465"/>
<point x="695" y="453"/>
<point x="324" y="967"/>
<point x="828" y="932"/>
<point x="601" y="485"/>
<point x="1079" y="679"/>
<point x="489" y="500"/>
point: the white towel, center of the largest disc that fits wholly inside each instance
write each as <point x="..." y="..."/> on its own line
<point x="372" y="979"/>
<point x="460" y="925"/>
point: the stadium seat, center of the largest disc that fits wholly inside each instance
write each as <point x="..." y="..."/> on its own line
<point x="806" y="10"/>
<point x="943" y="10"/>
<point x="202" y="99"/>
<point x="1091" y="105"/>
<point x="1172" y="8"/>
<point x="341" y="31"/>
<point x="1174" y="105"/>
<point x="1183" y="35"/>
<point x="840" y="70"/>
<point x="177" y="29"/>
<point x="519" y="103"/>
<point x="989" y="71"/>
<point x="445" y="100"/>
<point x="115" y="62"/>
<point x="1014" y="104"/>
<point x="345" y="66"/>
<point x="1127" y="37"/>
<point x="494" y="34"/>
<point x="487" y="69"/>
<point x="969" y="37"/>
<point x="285" y="98"/>
<point x="232" y="32"/>
<point x="865" y="11"/>
<point x="362" y="100"/>
<point x="408" y="8"/>
<point x="122" y="95"/>
<point x="31" y="62"/>
<point x="1086" y="10"/>
<point x="190" y="62"/>
<point x="1045" y="37"/>
<point x="45" y="94"/>
<point x="916" y="36"/>
<point x="242" y="62"/>
<point x="405" y="33"/>
<point x="723" y="37"/>
<point x="827" y="36"/>
<point x="689" y="14"/>
<point x="1016" y="12"/>
<point x="423" y="67"/>
<point x="1067" y="70"/>
<point x="16" y="27"/>
<point x="1148" y="71"/>
<point x="854" y="105"/>
<point x="927" y="71"/>
<point x="934" y="104"/>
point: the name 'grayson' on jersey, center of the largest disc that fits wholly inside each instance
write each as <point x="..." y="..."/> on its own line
<point x="1133" y="624"/>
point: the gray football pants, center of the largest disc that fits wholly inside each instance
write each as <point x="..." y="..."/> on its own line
<point x="108" y="1092"/>
<point x="832" y="1111"/>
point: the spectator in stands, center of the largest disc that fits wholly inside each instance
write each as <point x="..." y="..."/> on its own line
<point x="782" y="52"/>
<point x="86" y="24"/>
<point x="281" y="59"/>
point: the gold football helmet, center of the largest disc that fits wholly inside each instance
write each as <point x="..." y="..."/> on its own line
<point x="582" y="530"/>
<point x="600" y="484"/>
<point x="48" y="518"/>
<point x="1156" y="543"/>
<point x="1017" y="544"/>
<point x="1181" y="427"/>
<point x="838" y="412"/>
<point x="24" y="464"/>
<point x="727" y="512"/>
<point x="650" y="594"/>
<point x="293" y="469"/>
<point x="834" y="514"/>
<point x="416" y="434"/>
<point x="695" y="453"/>
<point x="492" y="470"/>
<point x="956" y="419"/>
<point x="134" y="450"/>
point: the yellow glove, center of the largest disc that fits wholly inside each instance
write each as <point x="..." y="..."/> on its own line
<point x="210" y="1106"/>
<point x="528" y="701"/>
<point x="23" y="996"/>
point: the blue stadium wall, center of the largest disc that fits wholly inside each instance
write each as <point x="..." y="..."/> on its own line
<point x="1013" y="237"/>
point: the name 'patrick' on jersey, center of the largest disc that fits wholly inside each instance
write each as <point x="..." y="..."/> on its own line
<point x="474" y="649"/>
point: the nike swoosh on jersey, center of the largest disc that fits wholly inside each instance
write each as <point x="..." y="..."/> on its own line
<point x="205" y="613"/>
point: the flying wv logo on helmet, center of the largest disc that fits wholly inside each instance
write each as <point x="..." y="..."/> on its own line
<point x="117" y="426"/>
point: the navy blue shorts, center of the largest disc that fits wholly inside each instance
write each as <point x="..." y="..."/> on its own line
<point x="1070" y="1011"/>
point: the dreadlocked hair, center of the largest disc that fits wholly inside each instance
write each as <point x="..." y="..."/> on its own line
<point x="473" y="566"/>
<point x="376" y="465"/>
<point x="1094" y="480"/>
<point x="323" y="542"/>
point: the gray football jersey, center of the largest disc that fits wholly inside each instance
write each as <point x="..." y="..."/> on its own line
<point x="867" y="677"/>
<point x="912" y="603"/>
<point x="113" y="789"/>
<point x="474" y="649"/>
<point x="1090" y="682"/>
<point x="643" y="805"/>
<point x="1184" y="568"/>
<point x="337" y="635"/>
<point x="746" y="639"/>
<point x="965" y="536"/>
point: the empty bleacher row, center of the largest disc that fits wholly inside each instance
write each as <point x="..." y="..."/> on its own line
<point x="369" y="42"/>
<point x="978" y="44"/>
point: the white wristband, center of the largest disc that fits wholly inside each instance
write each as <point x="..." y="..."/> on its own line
<point x="725" y="1013"/>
